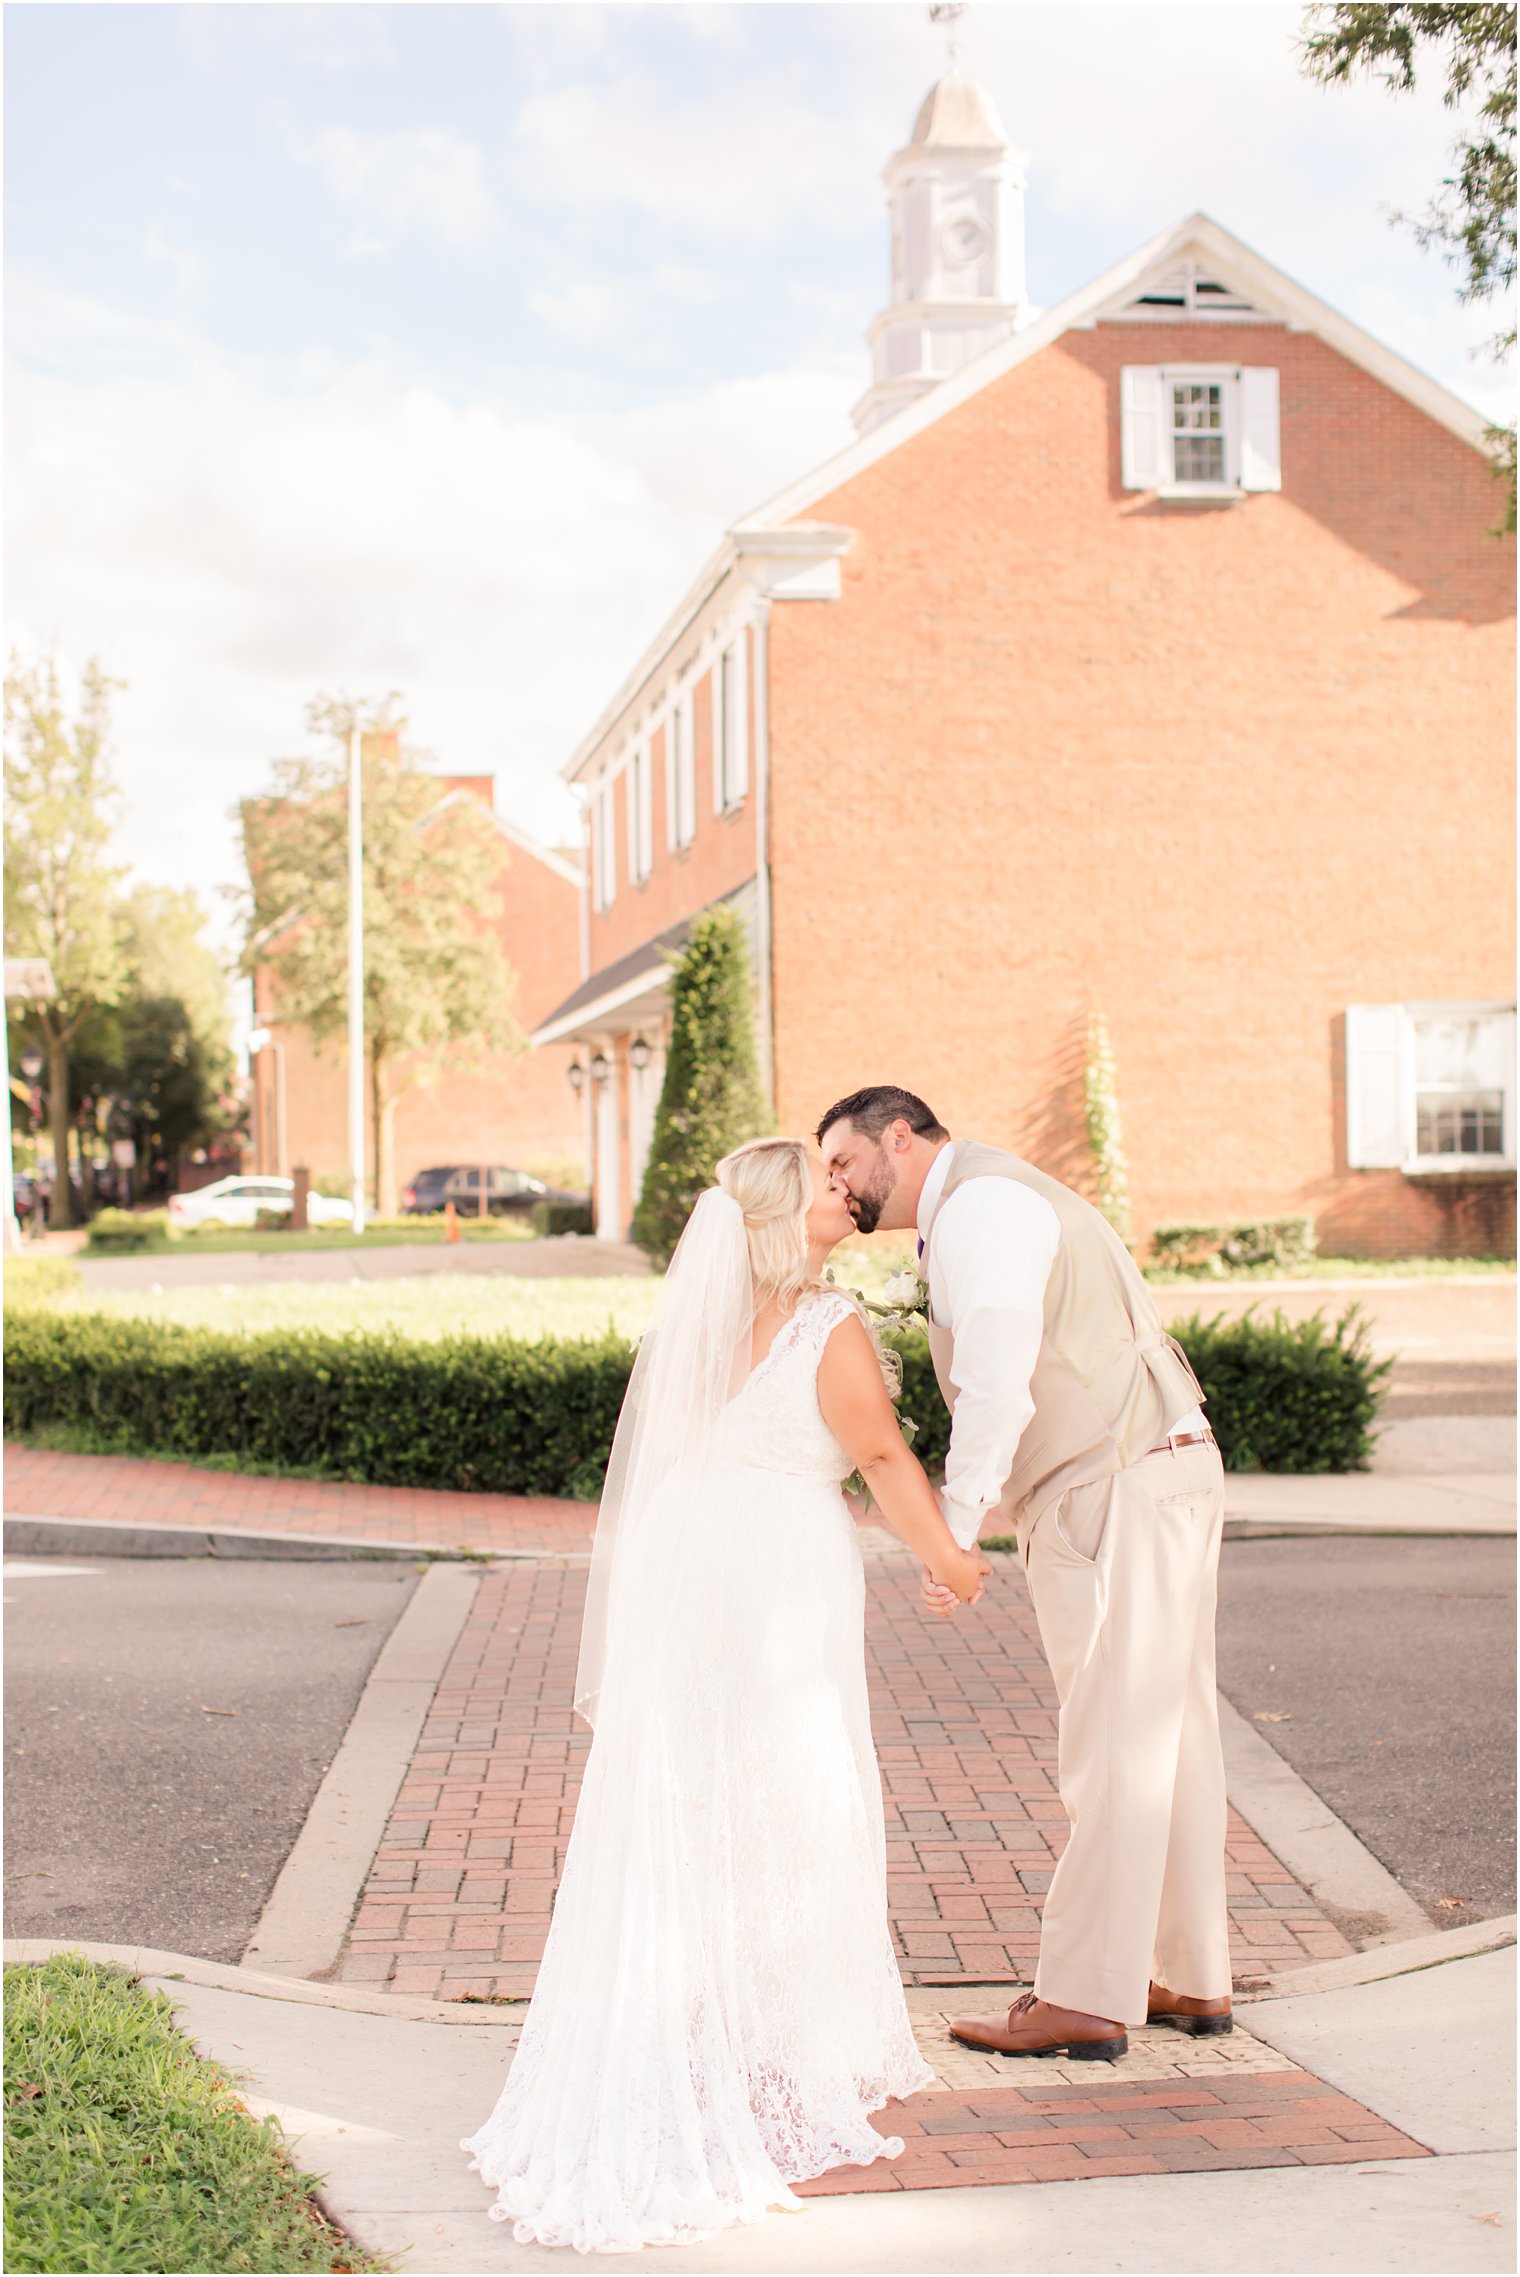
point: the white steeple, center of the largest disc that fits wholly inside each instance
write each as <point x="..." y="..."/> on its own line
<point x="956" y="192"/>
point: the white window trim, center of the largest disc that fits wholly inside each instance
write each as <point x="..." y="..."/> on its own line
<point x="1389" y="1142"/>
<point x="639" y="794"/>
<point x="680" y="771"/>
<point x="1252" y="429"/>
<point x="730" y="727"/>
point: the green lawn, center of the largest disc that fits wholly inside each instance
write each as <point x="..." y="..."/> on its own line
<point x="463" y="1304"/>
<point x="127" y="2151"/>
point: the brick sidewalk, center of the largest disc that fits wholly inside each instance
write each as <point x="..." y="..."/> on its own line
<point x="457" y="1903"/>
<point x="123" y="1487"/>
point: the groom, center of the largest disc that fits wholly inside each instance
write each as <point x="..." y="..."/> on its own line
<point x="1078" y="1417"/>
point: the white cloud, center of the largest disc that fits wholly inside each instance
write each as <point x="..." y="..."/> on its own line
<point x="740" y="172"/>
<point x="229" y="546"/>
<point x="419" y="178"/>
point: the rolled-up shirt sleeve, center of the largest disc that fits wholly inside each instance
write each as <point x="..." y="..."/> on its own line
<point x="994" y="1244"/>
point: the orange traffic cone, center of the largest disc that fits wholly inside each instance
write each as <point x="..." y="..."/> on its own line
<point x="450" y="1222"/>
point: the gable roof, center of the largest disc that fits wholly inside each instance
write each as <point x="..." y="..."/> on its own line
<point x="1273" y="294"/>
<point x="1253" y="287"/>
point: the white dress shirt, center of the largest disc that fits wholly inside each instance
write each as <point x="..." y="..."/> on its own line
<point x="994" y="1244"/>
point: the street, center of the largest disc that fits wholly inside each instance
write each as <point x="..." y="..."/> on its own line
<point x="168" y="1722"/>
<point x="1382" y="1669"/>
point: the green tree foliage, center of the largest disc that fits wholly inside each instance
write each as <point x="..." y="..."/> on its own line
<point x="711" y="1100"/>
<point x="1471" y="219"/>
<point x="62" y="892"/>
<point x="437" y="987"/>
<point x="164" y="1051"/>
<point x="1105" y="1139"/>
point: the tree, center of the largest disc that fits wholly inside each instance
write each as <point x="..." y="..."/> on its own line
<point x="711" y="1100"/>
<point x="164" y="1049"/>
<point x="62" y="893"/>
<point x="1472" y="217"/>
<point x="437" y="987"/>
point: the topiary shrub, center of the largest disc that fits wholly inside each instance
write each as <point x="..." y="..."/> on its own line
<point x="711" y="1100"/>
<point x="124" y="1231"/>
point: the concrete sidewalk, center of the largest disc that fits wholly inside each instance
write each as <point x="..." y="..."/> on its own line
<point x="1418" y="2040"/>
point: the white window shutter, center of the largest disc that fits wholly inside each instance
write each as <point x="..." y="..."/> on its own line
<point x="646" y="810"/>
<point x="1142" y="461"/>
<point x="1377" y="1086"/>
<point x="739" y="690"/>
<point x="719" y="734"/>
<point x="672" y="813"/>
<point x="1260" y="429"/>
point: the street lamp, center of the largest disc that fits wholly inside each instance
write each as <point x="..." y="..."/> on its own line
<point x="640" y="1053"/>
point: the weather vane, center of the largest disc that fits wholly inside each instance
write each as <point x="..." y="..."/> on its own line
<point x="948" y="13"/>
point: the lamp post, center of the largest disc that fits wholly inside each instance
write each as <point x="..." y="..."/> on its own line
<point x="356" y="975"/>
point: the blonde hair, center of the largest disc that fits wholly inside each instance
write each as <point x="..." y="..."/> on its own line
<point x="769" y="1180"/>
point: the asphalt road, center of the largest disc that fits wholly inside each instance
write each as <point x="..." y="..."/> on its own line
<point x="167" y="1723"/>
<point x="1386" y="1666"/>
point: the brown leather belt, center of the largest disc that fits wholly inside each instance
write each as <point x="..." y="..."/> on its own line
<point x="1169" y="1446"/>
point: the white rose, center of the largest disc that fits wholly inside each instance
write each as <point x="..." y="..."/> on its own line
<point x="903" y="1289"/>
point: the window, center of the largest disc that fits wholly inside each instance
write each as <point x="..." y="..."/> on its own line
<point x="640" y="815"/>
<point x="730" y="729"/>
<point x="1430" y="1087"/>
<point x="1195" y="431"/>
<point x="604" y="845"/>
<point x="680" y="773"/>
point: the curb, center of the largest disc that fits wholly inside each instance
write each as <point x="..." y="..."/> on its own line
<point x="231" y="1976"/>
<point x="1303" y="1833"/>
<point x="301" y="1930"/>
<point x="1380" y="1962"/>
<point x="125" y="1538"/>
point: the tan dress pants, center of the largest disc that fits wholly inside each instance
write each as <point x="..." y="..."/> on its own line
<point x="1123" y="1576"/>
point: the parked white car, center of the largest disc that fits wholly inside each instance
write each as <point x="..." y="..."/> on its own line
<point x="238" y="1201"/>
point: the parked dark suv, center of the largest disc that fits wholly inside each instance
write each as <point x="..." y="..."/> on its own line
<point x="508" y="1192"/>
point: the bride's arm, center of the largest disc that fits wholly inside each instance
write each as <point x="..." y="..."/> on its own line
<point x="857" y="1410"/>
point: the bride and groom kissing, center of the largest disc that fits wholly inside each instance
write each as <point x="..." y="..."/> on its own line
<point x="719" y="2008"/>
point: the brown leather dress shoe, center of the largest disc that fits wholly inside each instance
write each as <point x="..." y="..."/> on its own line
<point x="1202" y="2018"/>
<point x="1034" y="2027"/>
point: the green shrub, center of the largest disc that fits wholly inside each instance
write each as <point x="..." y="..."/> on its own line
<point x="1244" y="1245"/>
<point x="39" y="1280"/>
<point x="711" y="1100"/>
<point x="121" y="1231"/>
<point x="481" y="1413"/>
<point x="550" y="1218"/>
<point x="496" y="1415"/>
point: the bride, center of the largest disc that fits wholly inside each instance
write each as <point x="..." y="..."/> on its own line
<point x="718" y="2008"/>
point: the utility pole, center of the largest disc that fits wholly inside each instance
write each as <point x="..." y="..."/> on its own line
<point x="29" y="978"/>
<point x="356" y="973"/>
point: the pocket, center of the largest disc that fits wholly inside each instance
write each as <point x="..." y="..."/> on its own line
<point x="1079" y="1522"/>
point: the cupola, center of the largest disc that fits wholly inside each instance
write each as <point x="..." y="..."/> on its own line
<point x="956" y="193"/>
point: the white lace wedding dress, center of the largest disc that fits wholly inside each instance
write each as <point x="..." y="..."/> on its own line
<point x="718" y="2008"/>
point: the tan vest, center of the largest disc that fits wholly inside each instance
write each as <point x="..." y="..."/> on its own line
<point x="1109" y="1382"/>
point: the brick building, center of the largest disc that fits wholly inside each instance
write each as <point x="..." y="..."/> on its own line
<point x="1150" y="654"/>
<point x="1154" y="654"/>
<point x="520" y="1112"/>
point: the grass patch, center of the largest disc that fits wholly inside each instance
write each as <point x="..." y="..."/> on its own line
<point x="382" y="1233"/>
<point x="127" y="2151"/>
<point x="1338" y="1269"/>
<point x="425" y="1308"/>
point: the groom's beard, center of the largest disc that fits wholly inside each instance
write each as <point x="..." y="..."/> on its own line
<point x="866" y="1206"/>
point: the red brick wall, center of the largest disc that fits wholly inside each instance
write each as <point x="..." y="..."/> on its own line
<point x="1222" y="769"/>
<point x="521" y="1111"/>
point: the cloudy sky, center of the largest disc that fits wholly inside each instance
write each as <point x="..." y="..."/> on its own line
<point x="431" y="346"/>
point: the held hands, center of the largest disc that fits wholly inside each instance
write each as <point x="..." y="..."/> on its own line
<point x="956" y="1578"/>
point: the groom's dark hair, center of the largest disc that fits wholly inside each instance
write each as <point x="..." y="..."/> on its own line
<point x="878" y="1105"/>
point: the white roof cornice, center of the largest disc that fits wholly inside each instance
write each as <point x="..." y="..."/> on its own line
<point x="1274" y="292"/>
<point x="761" y="554"/>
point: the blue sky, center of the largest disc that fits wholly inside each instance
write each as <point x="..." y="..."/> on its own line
<point x="431" y="346"/>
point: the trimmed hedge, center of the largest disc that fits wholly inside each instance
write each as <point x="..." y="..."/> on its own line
<point x="117" y="1232"/>
<point x="551" y="1218"/>
<point x="496" y="1416"/>
<point x="1245" y="1245"/>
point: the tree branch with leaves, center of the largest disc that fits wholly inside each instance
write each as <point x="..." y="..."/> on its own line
<point x="1471" y="219"/>
<point x="438" y="990"/>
